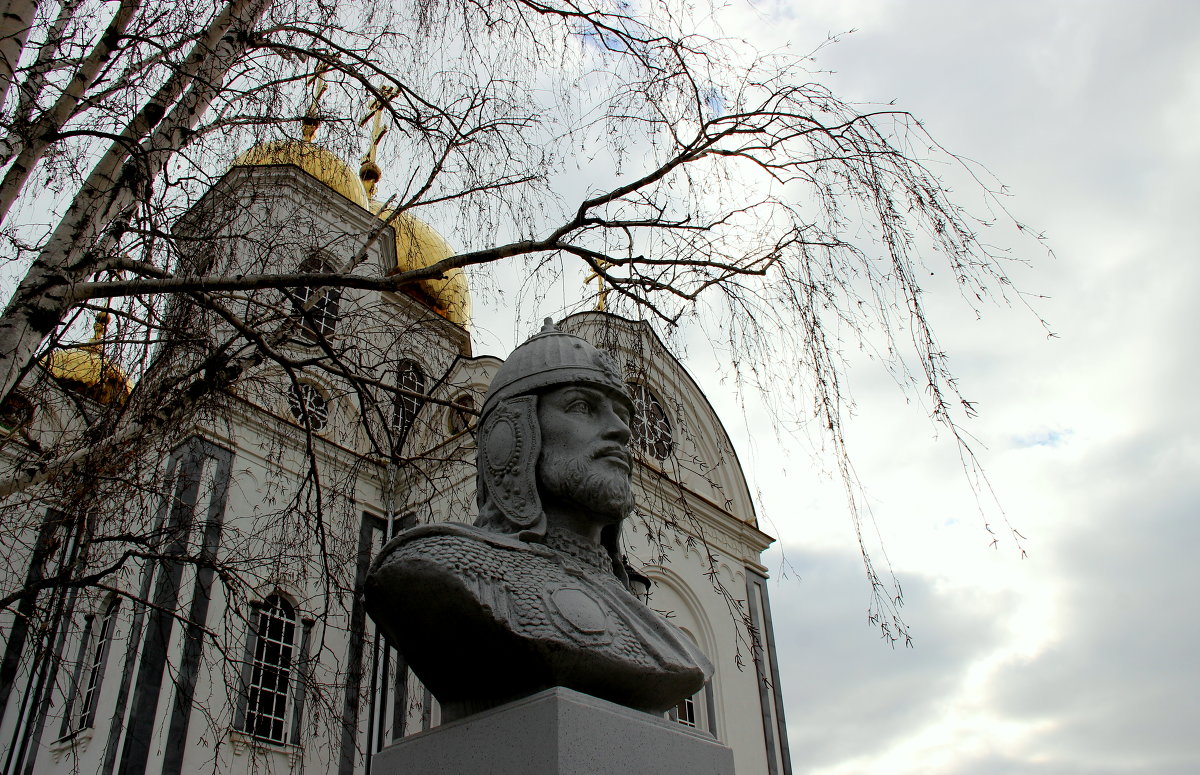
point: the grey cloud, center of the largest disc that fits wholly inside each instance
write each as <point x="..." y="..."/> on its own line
<point x="1121" y="685"/>
<point x="846" y="693"/>
<point x="1087" y="109"/>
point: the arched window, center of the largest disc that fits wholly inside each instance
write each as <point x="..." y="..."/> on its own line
<point x="273" y="635"/>
<point x="317" y="316"/>
<point x="650" y="428"/>
<point x="461" y="414"/>
<point x="307" y="403"/>
<point x="95" y="665"/>
<point x="695" y="711"/>
<point x="410" y="377"/>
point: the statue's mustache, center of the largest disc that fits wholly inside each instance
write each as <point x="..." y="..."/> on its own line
<point x="579" y="479"/>
<point x="614" y="451"/>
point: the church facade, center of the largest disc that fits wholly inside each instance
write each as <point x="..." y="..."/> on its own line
<point x="236" y="640"/>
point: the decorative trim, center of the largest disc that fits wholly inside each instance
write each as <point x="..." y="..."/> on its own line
<point x="192" y="457"/>
<point x="72" y="743"/>
<point x="766" y="668"/>
<point x="243" y="744"/>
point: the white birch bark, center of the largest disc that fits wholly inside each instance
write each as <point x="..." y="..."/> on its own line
<point x="30" y="148"/>
<point x="75" y="250"/>
<point x="49" y="54"/>
<point x="16" y="18"/>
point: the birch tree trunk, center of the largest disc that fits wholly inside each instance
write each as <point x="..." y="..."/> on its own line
<point x="79" y="244"/>
<point x="16" y="19"/>
<point x="30" y="148"/>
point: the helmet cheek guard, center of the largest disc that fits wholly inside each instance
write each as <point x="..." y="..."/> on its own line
<point x="510" y="441"/>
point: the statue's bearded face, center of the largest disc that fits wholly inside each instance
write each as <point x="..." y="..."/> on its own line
<point x="585" y="460"/>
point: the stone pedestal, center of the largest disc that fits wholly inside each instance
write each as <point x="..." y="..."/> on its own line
<point x="558" y="732"/>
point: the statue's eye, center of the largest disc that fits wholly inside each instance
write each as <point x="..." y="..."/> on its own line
<point x="580" y="406"/>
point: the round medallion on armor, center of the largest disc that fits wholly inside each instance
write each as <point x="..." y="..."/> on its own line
<point x="577" y="614"/>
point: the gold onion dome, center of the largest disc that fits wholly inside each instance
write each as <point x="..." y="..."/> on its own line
<point x="85" y="370"/>
<point x="419" y="246"/>
<point x="322" y="164"/>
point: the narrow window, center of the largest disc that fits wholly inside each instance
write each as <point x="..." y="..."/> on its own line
<point x="460" y="414"/>
<point x="95" y="666"/>
<point x="317" y="316"/>
<point x="410" y="378"/>
<point x="649" y="426"/>
<point x="271" y="670"/>
<point x="698" y="710"/>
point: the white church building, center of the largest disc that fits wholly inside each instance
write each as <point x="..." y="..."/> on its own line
<point x="236" y="640"/>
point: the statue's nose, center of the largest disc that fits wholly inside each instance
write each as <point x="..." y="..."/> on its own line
<point x="618" y="429"/>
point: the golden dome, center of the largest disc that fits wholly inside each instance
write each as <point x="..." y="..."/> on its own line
<point x="418" y="246"/>
<point x="86" y="370"/>
<point x="322" y="164"/>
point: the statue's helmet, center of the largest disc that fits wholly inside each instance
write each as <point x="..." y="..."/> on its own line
<point x="509" y="437"/>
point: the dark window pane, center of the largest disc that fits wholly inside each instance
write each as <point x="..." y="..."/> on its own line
<point x="266" y="697"/>
<point x="318" y="319"/>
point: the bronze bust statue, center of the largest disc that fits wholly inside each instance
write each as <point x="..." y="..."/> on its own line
<point x="536" y="594"/>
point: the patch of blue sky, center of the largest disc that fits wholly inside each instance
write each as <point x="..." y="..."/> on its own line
<point x="714" y="101"/>
<point x="618" y="37"/>
<point x="1046" y="437"/>
<point x="603" y="39"/>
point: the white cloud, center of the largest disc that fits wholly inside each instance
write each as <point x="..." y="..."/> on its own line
<point x="1080" y="659"/>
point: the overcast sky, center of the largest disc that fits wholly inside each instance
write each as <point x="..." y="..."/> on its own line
<point x="1083" y="657"/>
